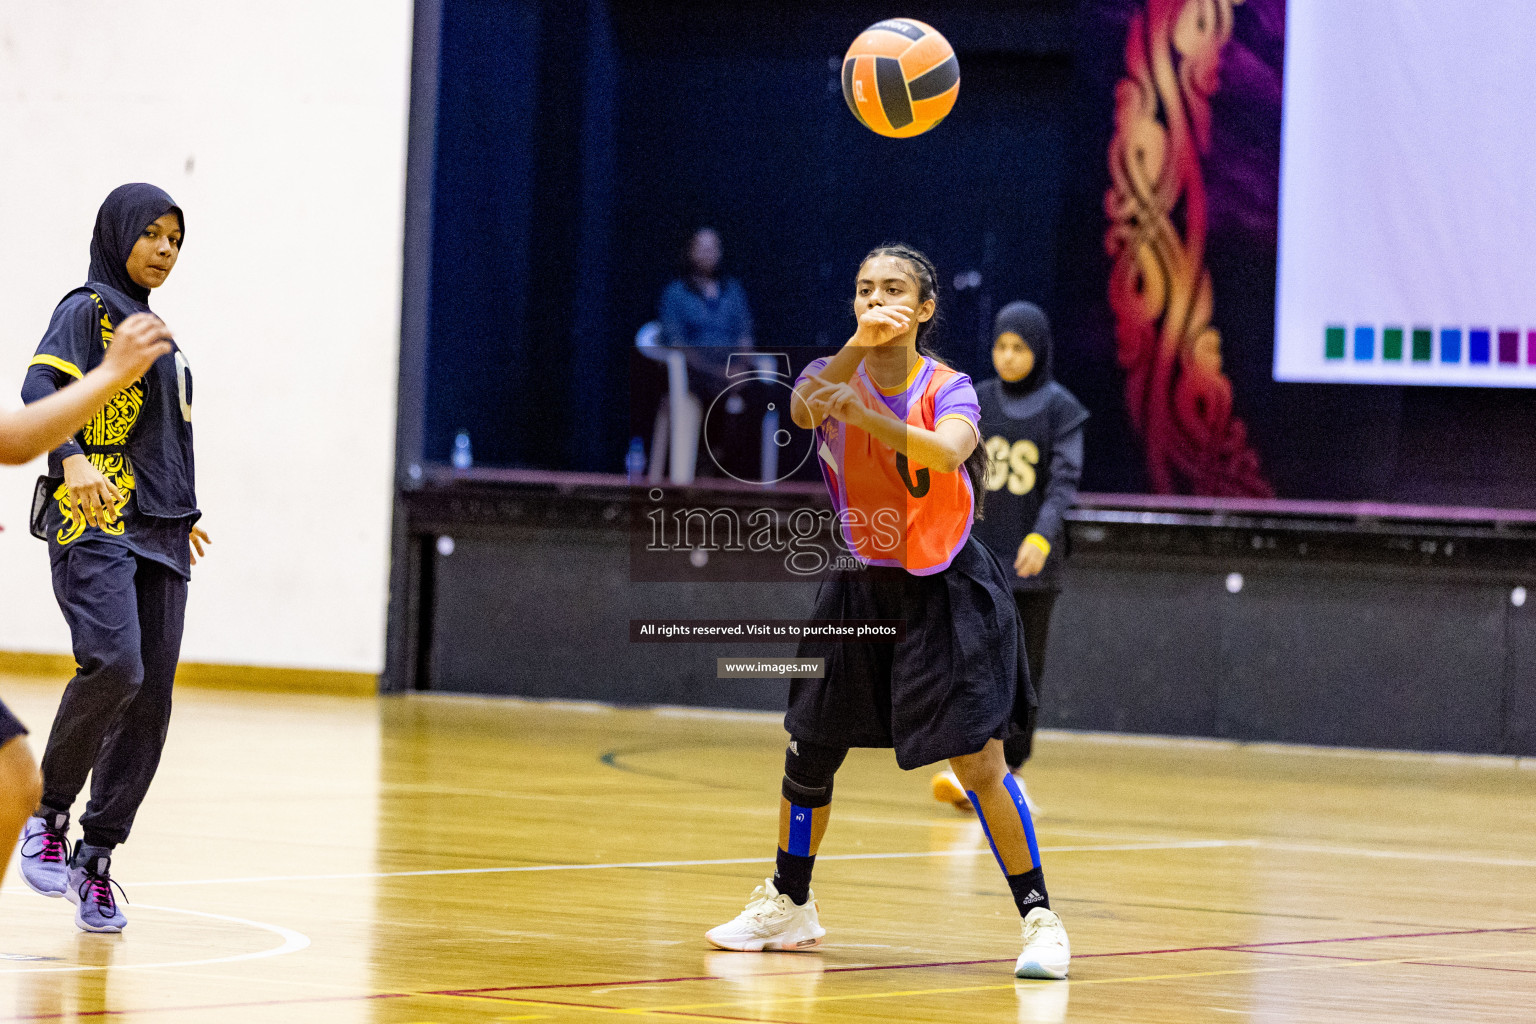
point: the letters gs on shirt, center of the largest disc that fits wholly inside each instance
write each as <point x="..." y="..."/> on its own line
<point x="1011" y="464"/>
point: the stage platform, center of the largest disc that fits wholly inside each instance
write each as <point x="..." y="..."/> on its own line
<point x="1349" y="624"/>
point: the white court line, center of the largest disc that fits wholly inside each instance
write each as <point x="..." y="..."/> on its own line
<point x="1356" y="851"/>
<point x="1192" y="844"/>
<point x="292" y="942"/>
<point x="672" y="806"/>
<point x="717" y="714"/>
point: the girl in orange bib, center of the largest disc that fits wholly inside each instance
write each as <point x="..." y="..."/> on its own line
<point x="897" y="440"/>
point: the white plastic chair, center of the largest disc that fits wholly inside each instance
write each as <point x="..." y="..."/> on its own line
<point x="679" y="417"/>
<point x="763" y="366"/>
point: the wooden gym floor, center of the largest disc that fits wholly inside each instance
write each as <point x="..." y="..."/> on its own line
<point x="445" y="860"/>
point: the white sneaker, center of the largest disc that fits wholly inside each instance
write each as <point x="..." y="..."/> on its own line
<point x="1046" y="949"/>
<point x="45" y="855"/>
<point x="771" y="921"/>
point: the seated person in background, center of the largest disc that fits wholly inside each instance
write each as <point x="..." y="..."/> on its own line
<point x="700" y="309"/>
<point x="707" y="315"/>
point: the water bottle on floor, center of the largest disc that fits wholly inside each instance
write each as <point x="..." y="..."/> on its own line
<point x="634" y="462"/>
<point x="461" y="457"/>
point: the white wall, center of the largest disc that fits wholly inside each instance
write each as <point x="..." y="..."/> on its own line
<point x="279" y="126"/>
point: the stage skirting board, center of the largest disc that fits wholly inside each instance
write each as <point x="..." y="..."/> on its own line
<point x="1361" y="625"/>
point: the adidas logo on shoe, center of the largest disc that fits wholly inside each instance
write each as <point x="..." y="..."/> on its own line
<point x="1033" y="897"/>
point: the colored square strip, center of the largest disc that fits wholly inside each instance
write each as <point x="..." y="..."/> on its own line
<point x="1479" y="346"/>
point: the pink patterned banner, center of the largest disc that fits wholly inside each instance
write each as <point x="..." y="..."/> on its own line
<point x="1178" y="398"/>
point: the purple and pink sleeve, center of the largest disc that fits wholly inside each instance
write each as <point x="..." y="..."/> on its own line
<point x="812" y="368"/>
<point x="958" y="398"/>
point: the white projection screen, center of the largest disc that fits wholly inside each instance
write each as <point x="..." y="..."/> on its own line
<point x="1408" y="193"/>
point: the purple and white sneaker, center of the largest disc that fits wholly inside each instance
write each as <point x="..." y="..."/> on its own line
<point x="45" y="855"/>
<point x="90" y="887"/>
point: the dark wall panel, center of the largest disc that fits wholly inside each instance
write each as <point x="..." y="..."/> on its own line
<point x="1375" y="659"/>
<point x="1520" y="682"/>
<point x="1335" y="653"/>
<point x="546" y="614"/>
<point x="1135" y="651"/>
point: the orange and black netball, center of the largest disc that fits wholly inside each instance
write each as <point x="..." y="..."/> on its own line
<point x="900" y="77"/>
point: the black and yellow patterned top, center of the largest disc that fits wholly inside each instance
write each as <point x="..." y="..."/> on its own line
<point x="141" y="440"/>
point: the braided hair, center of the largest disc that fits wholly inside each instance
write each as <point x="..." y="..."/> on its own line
<point x="927" y="277"/>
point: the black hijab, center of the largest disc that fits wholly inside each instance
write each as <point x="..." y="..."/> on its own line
<point x="124" y="214"/>
<point x="1029" y="322"/>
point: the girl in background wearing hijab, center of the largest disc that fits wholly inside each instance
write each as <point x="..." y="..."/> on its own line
<point x="24" y="435"/>
<point x="119" y="515"/>
<point x="1033" y="432"/>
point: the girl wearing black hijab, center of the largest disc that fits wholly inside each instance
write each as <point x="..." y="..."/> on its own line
<point x="1032" y="428"/>
<point x="24" y="435"/>
<point x="118" y="510"/>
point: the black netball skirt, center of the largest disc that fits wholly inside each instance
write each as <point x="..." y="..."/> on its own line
<point x="10" y="727"/>
<point x="957" y="678"/>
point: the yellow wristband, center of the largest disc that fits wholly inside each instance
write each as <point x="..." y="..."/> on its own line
<point x="1039" y="542"/>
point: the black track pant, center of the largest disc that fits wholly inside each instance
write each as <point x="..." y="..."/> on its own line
<point x="10" y="727"/>
<point x="125" y="619"/>
<point x="1035" y="609"/>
